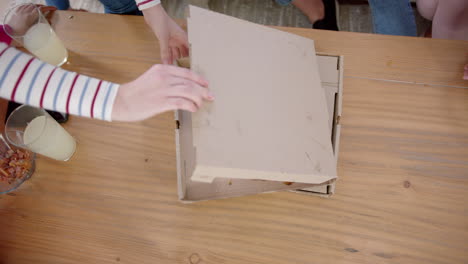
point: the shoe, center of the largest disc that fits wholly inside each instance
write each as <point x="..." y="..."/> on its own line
<point x="331" y="13"/>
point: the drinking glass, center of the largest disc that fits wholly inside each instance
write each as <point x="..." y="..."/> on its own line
<point x="34" y="129"/>
<point x="27" y="25"/>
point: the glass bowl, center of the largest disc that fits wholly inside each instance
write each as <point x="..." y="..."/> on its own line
<point x="16" y="166"/>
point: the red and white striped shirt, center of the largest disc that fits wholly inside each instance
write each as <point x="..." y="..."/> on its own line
<point x="27" y="80"/>
<point x="144" y="4"/>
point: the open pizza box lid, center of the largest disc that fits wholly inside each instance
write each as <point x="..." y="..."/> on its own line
<point x="274" y="123"/>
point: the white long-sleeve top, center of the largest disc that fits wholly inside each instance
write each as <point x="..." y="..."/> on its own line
<point x="144" y="4"/>
<point x="27" y="80"/>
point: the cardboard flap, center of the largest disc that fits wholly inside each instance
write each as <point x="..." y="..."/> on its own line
<point x="270" y="119"/>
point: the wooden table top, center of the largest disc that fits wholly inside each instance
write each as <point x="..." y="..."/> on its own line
<point x="402" y="195"/>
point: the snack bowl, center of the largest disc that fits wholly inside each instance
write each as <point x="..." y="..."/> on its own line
<point x="16" y="166"/>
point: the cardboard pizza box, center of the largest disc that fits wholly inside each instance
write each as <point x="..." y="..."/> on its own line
<point x="275" y="122"/>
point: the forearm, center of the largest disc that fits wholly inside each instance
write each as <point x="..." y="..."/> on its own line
<point x="25" y="79"/>
<point x="155" y="16"/>
<point x="451" y="20"/>
<point x="173" y="40"/>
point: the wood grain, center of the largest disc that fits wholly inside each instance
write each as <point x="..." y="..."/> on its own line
<point x="103" y="43"/>
<point x="402" y="196"/>
<point x="404" y="59"/>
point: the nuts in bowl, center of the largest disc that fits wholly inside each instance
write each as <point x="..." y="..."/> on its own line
<point x="16" y="165"/>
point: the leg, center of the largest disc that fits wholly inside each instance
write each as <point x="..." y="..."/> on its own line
<point x="313" y="9"/>
<point x="283" y="2"/>
<point x="124" y="7"/>
<point x="427" y="8"/>
<point x="451" y="20"/>
<point x="321" y="13"/>
<point x="329" y="22"/>
<point x="393" y="17"/>
<point x="59" y="4"/>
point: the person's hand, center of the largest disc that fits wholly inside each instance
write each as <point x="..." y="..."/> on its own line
<point x="47" y="11"/>
<point x="162" y="88"/>
<point x="173" y="40"/>
<point x="21" y="20"/>
<point x="25" y="16"/>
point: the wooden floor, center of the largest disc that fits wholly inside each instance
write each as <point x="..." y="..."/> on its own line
<point x="355" y="17"/>
<point x="352" y="17"/>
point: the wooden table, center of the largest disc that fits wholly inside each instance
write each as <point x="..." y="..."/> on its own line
<point x="402" y="196"/>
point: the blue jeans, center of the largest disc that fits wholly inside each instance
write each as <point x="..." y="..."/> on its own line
<point x="127" y="7"/>
<point x="284" y="2"/>
<point x="391" y="17"/>
<point x="59" y="4"/>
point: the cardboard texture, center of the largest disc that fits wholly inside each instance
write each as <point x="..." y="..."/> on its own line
<point x="189" y="191"/>
<point x="331" y="73"/>
<point x="269" y="118"/>
<point x="273" y="121"/>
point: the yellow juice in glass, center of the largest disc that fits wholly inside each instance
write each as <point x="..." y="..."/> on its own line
<point x="42" y="41"/>
<point x="45" y="136"/>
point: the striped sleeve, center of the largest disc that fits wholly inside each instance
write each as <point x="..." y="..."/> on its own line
<point x="145" y="4"/>
<point x="27" y="80"/>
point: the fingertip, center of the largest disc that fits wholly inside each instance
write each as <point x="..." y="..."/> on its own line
<point x="166" y="60"/>
<point x="210" y="96"/>
<point x="203" y="82"/>
<point x="178" y="53"/>
<point x="185" y="51"/>
<point x="192" y="109"/>
<point x="167" y="56"/>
